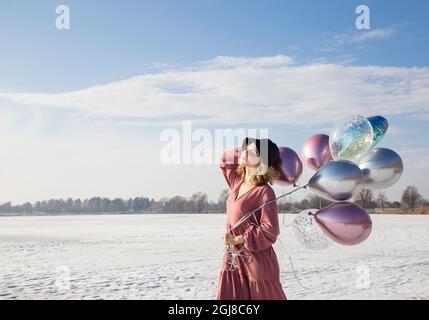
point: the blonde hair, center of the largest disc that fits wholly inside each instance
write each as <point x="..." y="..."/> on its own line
<point x="268" y="176"/>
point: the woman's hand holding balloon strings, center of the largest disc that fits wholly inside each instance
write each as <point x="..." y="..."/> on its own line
<point x="230" y="239"/>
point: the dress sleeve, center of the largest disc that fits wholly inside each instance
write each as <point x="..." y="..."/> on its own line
<point x="258" y="238"/>
<point x="229" y="165"/>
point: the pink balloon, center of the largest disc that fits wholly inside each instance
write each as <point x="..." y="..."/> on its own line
<point x="289" y="166"/>
<point x="316" y="151"/>
<point x="345" y="223"/>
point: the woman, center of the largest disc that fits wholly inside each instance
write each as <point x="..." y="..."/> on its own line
<point x="250" y="269"/>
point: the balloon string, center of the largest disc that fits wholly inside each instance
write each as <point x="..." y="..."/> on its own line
<point x="290" y="258"/>
<point x="251" y="213"/>
<point x="233" y="254"/>
<point x="291" y="263"/>
<point x="294" y="273"/>
<point x="284" y="250"/>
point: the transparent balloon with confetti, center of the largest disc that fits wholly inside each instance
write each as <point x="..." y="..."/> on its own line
<point x="308" y="232"/>
<point x="352" y="138"/>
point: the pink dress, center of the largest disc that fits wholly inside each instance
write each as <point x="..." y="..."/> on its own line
<point x="255" y="275"/>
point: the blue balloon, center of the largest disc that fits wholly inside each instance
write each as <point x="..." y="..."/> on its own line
<point x="379" y="127"/>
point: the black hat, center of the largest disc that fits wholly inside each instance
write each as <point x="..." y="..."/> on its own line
<point x="270" y="154"/>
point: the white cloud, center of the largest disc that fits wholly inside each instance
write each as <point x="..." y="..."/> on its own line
<point x="352" y="38"/>
<point x="229" y="90"/>
<point x="420" y="117"/>
<point x="376" y="34"/>
<point x="362" y="36"/>
<point x="343" y="59"/>
<point x="225" y="91"/>
<point x="395" y="129"/>
<point x="416" y="158"/>
<point x="257" y="62"/>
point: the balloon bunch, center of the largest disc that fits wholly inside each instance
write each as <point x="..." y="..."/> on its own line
<point x="345" y="162"/>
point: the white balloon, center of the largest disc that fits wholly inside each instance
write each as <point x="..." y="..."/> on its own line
<point x="308" y="232"/>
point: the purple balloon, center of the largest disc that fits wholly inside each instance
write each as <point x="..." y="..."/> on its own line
<point x="345" y="223"/>
<point x="289" y="166"/>
<point x="316" y="151"/>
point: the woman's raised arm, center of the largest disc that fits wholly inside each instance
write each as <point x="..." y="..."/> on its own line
<point x="229" y="164"/>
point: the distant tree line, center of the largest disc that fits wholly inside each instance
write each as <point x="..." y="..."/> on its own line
<point x="197" y="203"/>
<point x="92" y="205"/>
<point x="366" y="198"/>
<point x="410" y="199"/>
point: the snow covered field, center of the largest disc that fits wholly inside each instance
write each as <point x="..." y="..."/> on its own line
<point x="179" y="257"/>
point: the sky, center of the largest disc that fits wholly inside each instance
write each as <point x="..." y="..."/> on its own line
<point x="83" y="111"/>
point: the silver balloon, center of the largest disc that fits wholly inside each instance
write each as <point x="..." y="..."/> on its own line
<point x="381" y="168"/>
<point x="308" y="232"/>
<point x="337" y="180"/>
